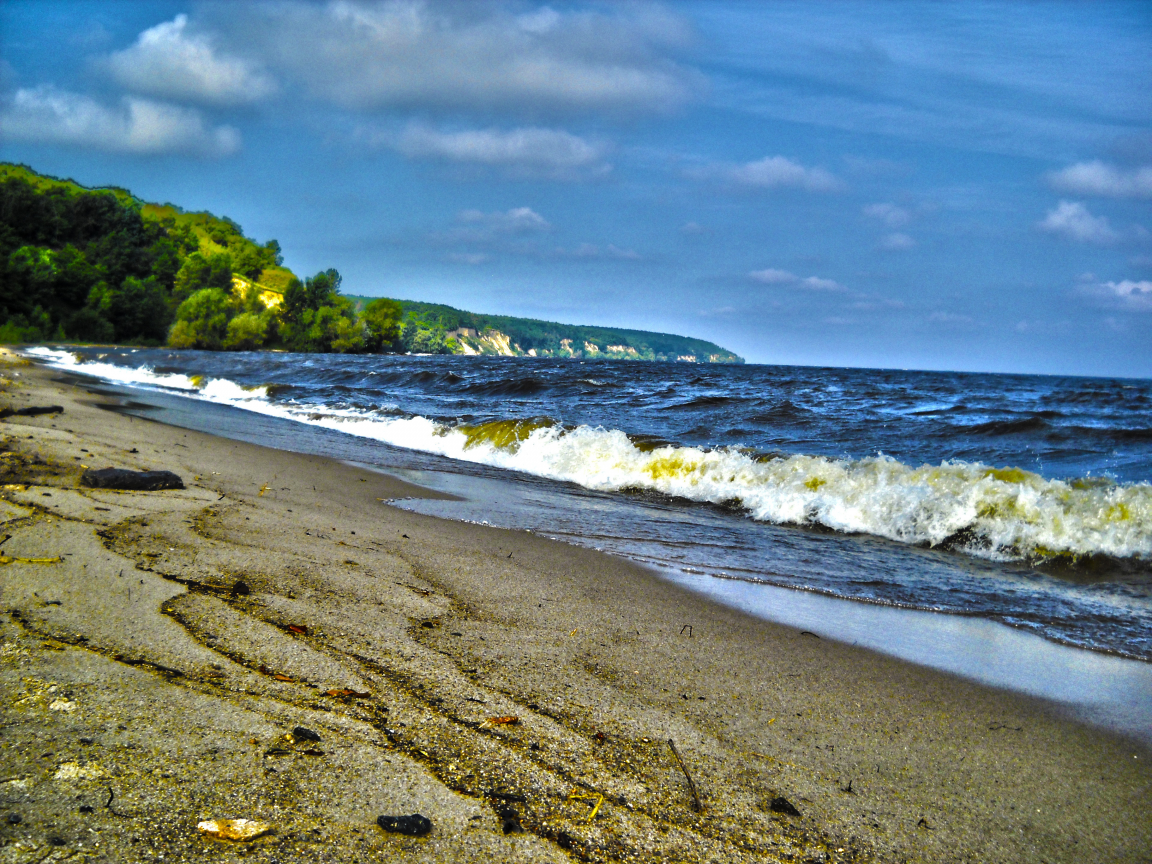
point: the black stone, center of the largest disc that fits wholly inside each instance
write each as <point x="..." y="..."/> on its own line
<point x="414" y="825"/>
<point x="56" y="841"/>
<point x="241" y="589"/>
<point x="302" y="734"/>
<point x="15" y="818"/>
<point x="84" y="808"/>
<point x="133" y="481"/>
<point x="509" y="820"/>
<point x="780" y="804"/>
<point x="31" y="411"/>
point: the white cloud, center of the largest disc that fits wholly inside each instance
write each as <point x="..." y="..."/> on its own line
<point x="1128" y="294"/>
<point x="773" y="277"/>
<point x="1072" y="220"/>
<point x="590" y="250"/>
<point x="168" y="61"/>
<point x="815" y="283"/>
<point x="479" y="56"/>
<point x="471" y="258"/>
<point x="622" y="254"/>
<point x="515" y="221"/>
<point x="529" y="150"/>
<point x="47" y="115"/>
<point x="783" y="277"/>
<point x="897" y="242"/>
<point x="889" y="214"/>
<point x="949" y="318"/>
<point x="1097" y="178"/>
<point x="693" y="228"/>
<point x="584" y="250"/>
<point x="771" y="172"/>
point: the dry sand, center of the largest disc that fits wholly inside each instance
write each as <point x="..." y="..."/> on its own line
<point x="131" y="668"/>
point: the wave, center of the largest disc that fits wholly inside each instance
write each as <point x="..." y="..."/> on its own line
<point x="996" y="513"/>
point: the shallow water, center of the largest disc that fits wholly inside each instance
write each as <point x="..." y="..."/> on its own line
<point x="1017" y="499"/>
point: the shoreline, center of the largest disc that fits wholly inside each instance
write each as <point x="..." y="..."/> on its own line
<point x="446" y="628"/>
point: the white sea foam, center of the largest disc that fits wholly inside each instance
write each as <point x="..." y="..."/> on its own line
<point x="993" y="513"/>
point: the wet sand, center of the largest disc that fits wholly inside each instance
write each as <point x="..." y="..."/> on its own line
<point x="134" y="667"/>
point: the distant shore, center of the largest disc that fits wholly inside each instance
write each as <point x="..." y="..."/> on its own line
<point x="138" y="664"/>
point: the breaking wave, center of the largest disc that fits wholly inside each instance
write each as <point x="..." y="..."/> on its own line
<point x="990" y="512"/>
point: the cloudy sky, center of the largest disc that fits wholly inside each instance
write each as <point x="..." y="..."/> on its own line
<point x="944" y="186"/>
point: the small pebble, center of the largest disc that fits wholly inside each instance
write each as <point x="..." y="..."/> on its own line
<point x="302" y="734"/>
<point x="414" y="825"/>
<point x="84" y="808"/>
<point x="241" y="589"/>
<point x="15" y="818"/>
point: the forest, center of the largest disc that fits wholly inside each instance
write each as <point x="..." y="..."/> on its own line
<point x="101" y="266"/>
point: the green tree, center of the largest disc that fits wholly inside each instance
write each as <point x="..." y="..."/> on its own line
<point x="199" y="272"/>
<point x="382" y="324"/>
<point x="202" y="320"/>
<point x="247" y="331"/>
<point x="138" y="309"/>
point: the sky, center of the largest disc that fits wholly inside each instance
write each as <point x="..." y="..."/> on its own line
<point x="962" y="186"/>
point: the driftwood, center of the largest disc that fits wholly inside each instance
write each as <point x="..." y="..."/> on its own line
<point x="134" y="481"/>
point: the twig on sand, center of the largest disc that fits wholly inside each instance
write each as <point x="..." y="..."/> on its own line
<point x="108" y="803"/>
<point x="698" y="807"/>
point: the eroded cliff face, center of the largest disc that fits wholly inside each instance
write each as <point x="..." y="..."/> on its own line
<point x="496" y="343"/>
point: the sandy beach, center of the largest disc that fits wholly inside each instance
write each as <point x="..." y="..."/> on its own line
<point x="158" y="649"/>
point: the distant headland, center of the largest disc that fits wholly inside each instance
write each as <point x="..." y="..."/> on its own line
<point x="100" y="265"/>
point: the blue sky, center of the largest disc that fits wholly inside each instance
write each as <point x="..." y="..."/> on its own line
<point x="917" y="185"/>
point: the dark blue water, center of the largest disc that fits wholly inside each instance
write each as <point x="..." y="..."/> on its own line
<point x="1021" y="499"/>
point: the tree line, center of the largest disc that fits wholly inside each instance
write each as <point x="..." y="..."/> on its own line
<point x="87" y="265"/>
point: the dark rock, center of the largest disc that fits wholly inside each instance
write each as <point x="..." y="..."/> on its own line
<point x="302" y="734"/>
<point x="509" y="820"/>
<point x="55" y="840"/>
<point x="134" y="481"/>
<point x="780" y="804"/>
<point x="241" y="589"/>
<point x="31" y="411"/>
<point x="15" y="818"/>
<point x="414" y="825"/>
<point x="85" y="808"/>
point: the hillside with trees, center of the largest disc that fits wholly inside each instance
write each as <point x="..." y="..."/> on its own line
<point x="100" y="265"/>
<point x="428" y="326"/>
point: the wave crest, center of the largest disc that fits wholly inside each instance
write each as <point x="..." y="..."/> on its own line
<point x="998" y="513"/>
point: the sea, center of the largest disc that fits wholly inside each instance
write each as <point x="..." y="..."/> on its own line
<point x="1001" y="520"/>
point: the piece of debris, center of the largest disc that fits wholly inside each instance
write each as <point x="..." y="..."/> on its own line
<point x="780" y="804"/>
<point x="31" y="411"/>
<point x="239" y="830"/>
<point x="503" y="721"/>
<point x="300" y="733"/>
<point x="241" y="589"/>
<point x="575" y="795"/>
<point x="298" y="628"/>
<point x="414" y="825"/>
<point x="76" y="771"/>
<point x="13" y="559"/>
<point x="133" y="481"/>
<point x="696" y="805"/>
<point x="347" y="694"/>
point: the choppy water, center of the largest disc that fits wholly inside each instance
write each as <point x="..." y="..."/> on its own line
<point x="1021" y="499"/>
